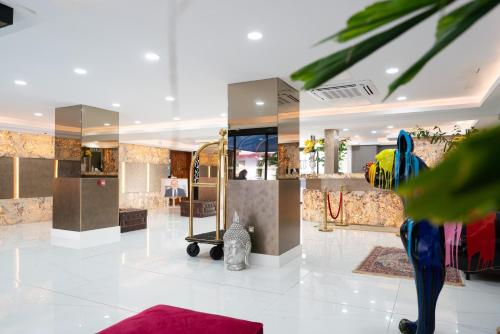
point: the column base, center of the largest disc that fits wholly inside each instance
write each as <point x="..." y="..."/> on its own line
<point x="85" y="239"/>
<point x="276" y="261"/>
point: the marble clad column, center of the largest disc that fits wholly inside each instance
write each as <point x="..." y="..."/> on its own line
<point x="331" y="151"/>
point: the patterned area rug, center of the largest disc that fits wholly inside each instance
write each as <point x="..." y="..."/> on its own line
<point x="393" y="262"/>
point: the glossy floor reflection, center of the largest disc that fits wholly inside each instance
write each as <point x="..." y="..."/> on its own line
<point x="47" y="289"/>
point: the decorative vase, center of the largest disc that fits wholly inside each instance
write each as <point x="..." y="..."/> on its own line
<point x="312" y="163"/>
<point x="87" y="163"/>
<point x="237" y="246"/>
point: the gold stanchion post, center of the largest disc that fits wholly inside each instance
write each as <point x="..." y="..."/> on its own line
<point x="324" y="226"/>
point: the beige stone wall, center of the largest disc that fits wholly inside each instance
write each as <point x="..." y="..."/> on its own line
<point x="25" y="145"/>
<point x="373" y="207"/>
<point x="143" y="154"/>
<point x="432" y="154"/>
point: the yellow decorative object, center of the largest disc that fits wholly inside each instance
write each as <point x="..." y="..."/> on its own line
<point x="385" y="162"/>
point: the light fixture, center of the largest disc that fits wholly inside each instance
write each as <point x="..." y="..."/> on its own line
<point x="344" y="310"/>
<point x="254" y="35"/>
<point x="345" y="129"/>
<point x="151" y="56"/>
<point x="176" y="118"/>
<point x="170" y="98"/>
<point x="20" y="82"/>
<point x="137" y="122"/>
<point x="392" y="70"/>
<point x="116" y="105"/>
<point x="80" y="71"/>
<point x="259" y="103"/>
<point x="107" y="124"/>
<point x="38" y="114"/>
<point x="390" y="126"/>
<point x="373" y="131"/>
<point x="357" y="136"/>
<point x="223" y="115"/>
<point x="401" y="98"/>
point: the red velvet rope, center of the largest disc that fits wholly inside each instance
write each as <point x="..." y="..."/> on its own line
<point x="330" y="208"/>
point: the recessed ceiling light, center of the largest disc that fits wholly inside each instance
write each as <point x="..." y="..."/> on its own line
<point x="20" y="82"/>
<point x="137" y="122"/>
<point x="392" y="70"/>
<point x="80" y="71"/>
<point x="223" y="115"/>
<point x="373" y="131"/>
<point x="390" y="126"/>
<point x="401" y="98"/>
<point x="259" y="103"/>
<point x="116" y="105"/>
<point x="107" y="124"/>
<point x="345" y="129"/>
<point x="151" y="56"/>
<point x="176" y="118"/>
<point x="254" y="35"/>
<point x="170" y="98"/>
<point x="38" y="114"/>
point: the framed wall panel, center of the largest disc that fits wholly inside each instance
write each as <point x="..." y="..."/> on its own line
<point x="156" y="173"/>
<point x="135" y="177"/>
<point x="35" y="177"/>
<point x="6" y="177"/>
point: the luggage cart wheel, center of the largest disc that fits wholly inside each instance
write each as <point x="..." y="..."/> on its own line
<point x="217" y="252"/>
<point x="193" y="249"/>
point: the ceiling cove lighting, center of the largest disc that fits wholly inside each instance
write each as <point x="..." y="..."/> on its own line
<point x="151" y="56"/>
<point x="38" y="114"/>
<point x="116" y="105"/>
<point x="254" y="35"/>
<point x="80" y="71"/>
<point x="170" y="98"/>
<point x="401" y="98"/>
<point x="259" y="103"/>
<point x="20" y="82"/>
<point x="392" y="70"/>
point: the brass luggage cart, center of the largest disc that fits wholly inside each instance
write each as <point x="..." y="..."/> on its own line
<point x="213" y="237"/>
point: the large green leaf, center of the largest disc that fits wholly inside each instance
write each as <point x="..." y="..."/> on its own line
<point x="464" y="187"/>
<point x="450" y="27"/>
<point x="379" y="14"/>
<point x="326" y="68"/>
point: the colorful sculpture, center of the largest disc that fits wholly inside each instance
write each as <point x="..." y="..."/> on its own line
<point x="430" y="249"/>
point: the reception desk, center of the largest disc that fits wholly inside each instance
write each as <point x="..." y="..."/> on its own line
<point x="363" y="204"/>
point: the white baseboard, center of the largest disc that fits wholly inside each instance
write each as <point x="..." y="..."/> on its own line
<point x="275" y="261"/>
<point x="85" y="239"/>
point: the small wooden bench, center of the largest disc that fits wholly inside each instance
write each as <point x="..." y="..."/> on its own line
<point x="133" y="219"/>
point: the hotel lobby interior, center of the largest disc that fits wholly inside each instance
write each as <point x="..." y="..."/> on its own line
<point x="203" y="166"/>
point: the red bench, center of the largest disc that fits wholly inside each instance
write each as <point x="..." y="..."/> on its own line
<point x="163" y="319"/>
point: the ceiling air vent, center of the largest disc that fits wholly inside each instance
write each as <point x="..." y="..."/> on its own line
<point x="346" y="90"/>
<point x="6" y="16"/>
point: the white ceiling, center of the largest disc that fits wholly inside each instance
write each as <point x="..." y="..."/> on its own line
<point x="110" y="37"/>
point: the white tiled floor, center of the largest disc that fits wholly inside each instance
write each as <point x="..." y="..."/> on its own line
<point x="47" y="289"/>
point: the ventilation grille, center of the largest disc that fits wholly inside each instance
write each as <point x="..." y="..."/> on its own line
<point x="348" y="90"/>
<point x="286" y="99"/>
